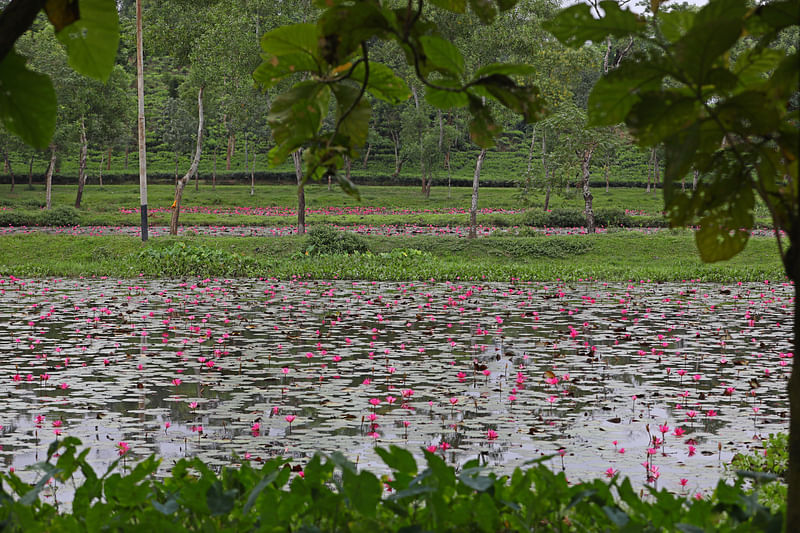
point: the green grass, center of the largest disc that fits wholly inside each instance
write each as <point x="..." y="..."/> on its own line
<point x="668" y="256"/>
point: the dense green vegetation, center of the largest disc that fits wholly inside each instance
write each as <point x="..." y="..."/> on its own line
<point x="615" y="256"/>
<point x="333" y="494"/>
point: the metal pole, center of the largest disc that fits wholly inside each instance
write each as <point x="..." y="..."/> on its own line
<point x="142" y="145"/>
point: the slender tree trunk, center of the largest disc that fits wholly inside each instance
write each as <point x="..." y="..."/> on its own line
<point x="82" y="165"/>
<point x="694" y="182"/>
<point x="253" y="175"/>
<point x="231" y="149"/>
<point x="100" y="173"/>
<point x="127" y="150"/>
<point x="366" y="156"/>
<point x="649" y="169"/>
<point x="656" y="170"/>
<point x="530" y="162"/>
<point x="245" y="155"/>
<point x="176" y="205"/>
<point x="175" y="156"/>
<point x="473" y="209"/>
<point x="108" y="159"/>
<point x="398" y="164"/>
<point x="48" y="188"/>
<point x="607" y="168"/>
<point x="214" y="172"/>
<point x="546" y="171"/>
<point x="301" y="194"/>
<point x="447" y="166"/>
<point x="30" y="172"/>
<point x="140" y="121"/>
<point x="586" y="158"/>
<point x="10" y="170"/>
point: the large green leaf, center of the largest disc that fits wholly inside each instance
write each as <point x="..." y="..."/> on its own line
<point x="522" y="100"/>
<point x="343" y="28"/>
<point x="27" y="102"/>
<point x="382" y="82"/>
<point x="482" y="128"/>
<point x="291" y="39"/>
<point x="507" y="69"/>
<point x="698" y="51"/>
<point x="295" y="117"/>
<point x="753" y="66"/>
<point x="275" y="68"/>
<point x="398" y="459"/>
<point x="93" y="39"/>
<point x="614" y="95"/>
<point x="363" y="490"/>
<point x="675" y="24"/>
<point x="442" y="55"/>
<point x="355" y="125"/>
<point x="576" y="25"/>
<point x="484" y="9"/>
<point x="661" y="114"/>
<point x="444" y="99"/>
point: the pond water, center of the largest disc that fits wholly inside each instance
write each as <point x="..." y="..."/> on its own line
<point x="214" y="368"/>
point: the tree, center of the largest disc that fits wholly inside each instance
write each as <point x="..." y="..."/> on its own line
<point x="723" y="100"/>
<point x="332" y="58"/>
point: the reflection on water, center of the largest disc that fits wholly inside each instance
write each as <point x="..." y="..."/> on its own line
<point x="214" y="367"/>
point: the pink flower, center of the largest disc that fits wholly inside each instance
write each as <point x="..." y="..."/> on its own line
<point x="453" y="401"/>
<point x="290" y="418"/>
<point x="374" y="401"/>
<point x="684" y="481"/>
<point x="444" y="446"/>
<point x="692" y="450"/>
<point x="193" y="405"/>
<point x="123" y="448"/>
<point x="432" y="448"/>
<point x="678" y="432"/>
<point x="491" y="434"/>
<point x="176" y="381"/>
<point x="390" y="399"/>
<point x="611" y="472"/>
<point x="664" y="428"/>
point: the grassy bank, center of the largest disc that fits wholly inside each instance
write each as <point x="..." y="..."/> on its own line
<point x="666" y="256"/>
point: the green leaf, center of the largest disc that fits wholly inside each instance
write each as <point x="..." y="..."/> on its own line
<point x="660" y="114"/>
<point x="167" y="508"/>
<point x="93" y="39"/>
<point x="27" y="102"/>
<point x="275" y="68"/>
<point x="753" y="65"/>
<point x="698" y="51"/>
<point x="456" y="6"/>
<point x="616" y="515"/>
<point x="220" y="501"/>
<point x="576" y="25"/>
<point x="382" y="82"/>
<point x="482" y="128"/>
<point x="484" y="9"/>
<point x="363" y="490"/>
<point x="343" y="28"/>
<point x="675" y="24"/>
<point x="355" y="125"/>
<point x="441" y="55"/>
<point x="486" y="513"/>
<point x="291" y="39"/>
<point x="251" y="499"/>
<point x="348" y="186"/>
<point x="507" y="69"/>
<point x="398" y="459"/>
<point x="522" y="100"/>
<point x="296" y="116"/>
<point x="478" y="483"/>
<point x="446" y="99"/>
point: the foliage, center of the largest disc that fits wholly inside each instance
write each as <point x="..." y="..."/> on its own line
<point x="89" y="31"/>
<point x="325" y="240"/>
<point x="60" y="216"/>
<point x="181" y="260"/>
<point x="329" y="493"/>
<point x="333" y="57"/>
<point x="767" y="467"/>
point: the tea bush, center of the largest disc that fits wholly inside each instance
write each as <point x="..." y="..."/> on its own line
<point x="325" y="240"/>
<point x="329" y="493"/>
<point x="60" y="216"/>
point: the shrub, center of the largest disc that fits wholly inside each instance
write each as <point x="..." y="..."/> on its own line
<point x="566" y="218"/>
<point x="326" y="240"/>
<point x="180" y="260"/>
<point x="60" y="216"/>
<point x="535" y="217"/>
<point x="612" y="218"/>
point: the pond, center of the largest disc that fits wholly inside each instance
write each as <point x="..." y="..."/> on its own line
<point x="235" y="370"/>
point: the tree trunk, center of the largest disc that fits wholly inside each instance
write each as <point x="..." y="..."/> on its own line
<point x="126" y="156"/>
<point x="10" y="170"/>
<point x="100" y="173"/>
<point x="656" y="170"/>
<point x="253" y="175"/>
<point x="301" y="194"/>
<point x="214" y="172"/>
<point x="473" y="209"/>
<point x="176" y="166"/>
<point x="608" y="167"/>
<point x="245" y="155"/>
<point x="530" y="162"/>
<point x="108" y="159"/>
<point x="586" y="158"/>
<point x="176" y="205"/>
<point x="649" y="169"/>
<point x="694" y="182"/>
<point x="30" y="172"/>
<point x="231" y="149"/>
<point x="546" y="171"/>
<point x="82" y="165"/>
<point x="447" y="166"/>
<point x="140" y="122"/>
<point x="48" y="188"/>
<point x="398" y="164"/>
<point x="366" y="156"/>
